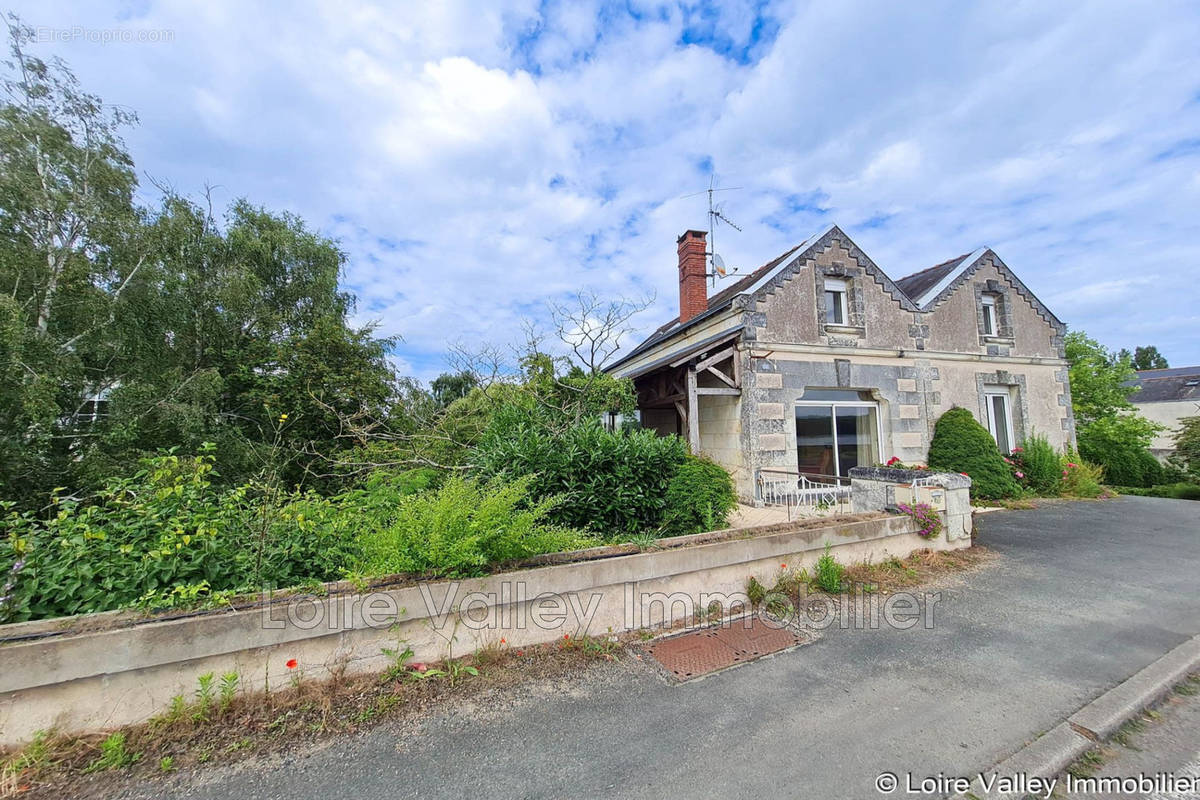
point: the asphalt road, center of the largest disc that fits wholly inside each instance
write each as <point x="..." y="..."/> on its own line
<point x="1084" y="595"/>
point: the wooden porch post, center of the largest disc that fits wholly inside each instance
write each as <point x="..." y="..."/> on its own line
<point x="693" y="415"/>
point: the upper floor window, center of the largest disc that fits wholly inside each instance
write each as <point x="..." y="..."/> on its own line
<point x="989" y="315"/>
<point x="836" y="312"/>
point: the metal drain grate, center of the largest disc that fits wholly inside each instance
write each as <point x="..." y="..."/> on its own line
<point x="702" y="652"/>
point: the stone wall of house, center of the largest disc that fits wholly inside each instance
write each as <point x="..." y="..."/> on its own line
<point x="721" y="432"/>
<point x="956" y="324"/>
<point x="794" y="311"/>
<point x="911" y="393"/>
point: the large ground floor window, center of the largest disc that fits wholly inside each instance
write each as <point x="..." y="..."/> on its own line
<point x="836" y="429"/>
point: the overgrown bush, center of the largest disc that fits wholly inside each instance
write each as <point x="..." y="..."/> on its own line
<point x="461" y="528"/>
<point x="1118" y="444"/>
<point x="960" y="444"/>
<point x="1038" y="466"/>
<point x="167" y="535"/>
<point x="699" y="497"/>
<point x="1080" y="478"/>
<point x="612" y="482"/>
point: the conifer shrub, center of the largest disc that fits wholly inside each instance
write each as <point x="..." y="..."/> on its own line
<point x="960" y="444"/>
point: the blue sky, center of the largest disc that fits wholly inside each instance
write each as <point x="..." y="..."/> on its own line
<point x="477" y="160"/>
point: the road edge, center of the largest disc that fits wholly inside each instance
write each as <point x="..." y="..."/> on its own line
<point x="1054" y="751"/>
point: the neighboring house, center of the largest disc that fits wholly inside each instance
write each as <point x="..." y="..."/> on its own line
<point x="818" y="361"/>
<point x="1166" y="396"/>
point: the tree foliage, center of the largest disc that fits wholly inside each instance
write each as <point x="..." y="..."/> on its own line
<point x="1186" y="457"/>
<point x="1144" y="358"/>
<point x="126" y="329"/>
<point x="1109" y="430"/>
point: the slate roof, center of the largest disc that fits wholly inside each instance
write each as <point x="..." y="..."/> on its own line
<point x="921" y="282"/>
<point x="1168" y="385"/>
<point x="717" y="302"/>
<point x="919" y="290"/>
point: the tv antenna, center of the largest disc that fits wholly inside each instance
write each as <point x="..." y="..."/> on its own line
<point x="716" y="215"/>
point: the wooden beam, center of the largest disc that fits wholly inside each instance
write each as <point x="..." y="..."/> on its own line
<point x="723" y="376"/>
<point x="693" y="417"/>
<point x="719" y="390"/>
<point x="716" y="358"/>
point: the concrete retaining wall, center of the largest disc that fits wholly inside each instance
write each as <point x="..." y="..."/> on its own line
<point x="105" y="678"/>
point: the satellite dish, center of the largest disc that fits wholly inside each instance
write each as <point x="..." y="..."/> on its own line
<point x="718" y="265"/>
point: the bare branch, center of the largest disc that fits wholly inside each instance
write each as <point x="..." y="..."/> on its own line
<point x="593" y="328"/>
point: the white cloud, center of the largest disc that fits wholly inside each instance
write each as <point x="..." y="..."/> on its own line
<point x="477" y="159"/>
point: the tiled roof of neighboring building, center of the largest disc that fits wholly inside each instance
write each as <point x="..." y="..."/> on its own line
<point x="1168" y="385"/>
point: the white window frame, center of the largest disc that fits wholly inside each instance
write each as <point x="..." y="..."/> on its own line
<point x="833" y="406"/>
<point x="990" y="327"/>
<point x="840" y="289"/>
<point x="989" y="404"/>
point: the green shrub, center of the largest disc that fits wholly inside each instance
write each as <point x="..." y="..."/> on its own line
<point x="612" y="482"/>
<point x="463" y="527"/>
<point x="829" y="573"/>
<point x="1116" y="445"/>
<point x="167" y="536"/>
<point x="1039" y="466"/>
<point x="699" y="498"/>
<point x="1080" y="478"/>
<point x="960" y="444"/>
<point x="755" y="591"/>
<point x="164" y="527"/>
<point x="1175" y="491"/>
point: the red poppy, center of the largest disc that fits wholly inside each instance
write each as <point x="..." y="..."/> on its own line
<point x="292" y="663"/>
<point x="783" y="566"/>
<point x="503" y="640"/>
<point x="566" y="636"/>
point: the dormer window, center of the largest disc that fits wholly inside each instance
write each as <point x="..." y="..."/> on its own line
<point x="989" y="315"/>
<point x="836" y="312"/>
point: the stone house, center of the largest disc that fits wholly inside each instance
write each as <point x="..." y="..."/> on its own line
<point x="1167" y="396"/>
<point x="817" y="361"/>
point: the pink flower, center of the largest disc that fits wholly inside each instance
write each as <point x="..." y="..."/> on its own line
<point x="1020" y="474"/>
<point x="1072" y="466"/>
<point x="1018" y="449"/>
<point x="1064" y="473"/>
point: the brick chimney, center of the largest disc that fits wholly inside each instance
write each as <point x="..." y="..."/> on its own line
<point x="693" y="288"/>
